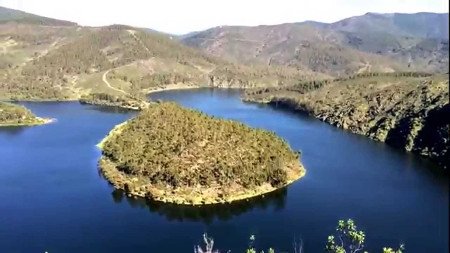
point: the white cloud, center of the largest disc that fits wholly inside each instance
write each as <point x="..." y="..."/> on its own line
<point x="182" y="16"/>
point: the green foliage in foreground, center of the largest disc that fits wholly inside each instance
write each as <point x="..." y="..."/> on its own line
<point x="351" y="240"/>
<point x="177" y="147"/>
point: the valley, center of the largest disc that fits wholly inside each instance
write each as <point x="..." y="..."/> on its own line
<point x="347" y="175"/>
<point x="157" y="138"/>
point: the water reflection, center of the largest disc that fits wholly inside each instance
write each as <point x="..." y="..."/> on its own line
<point x="107" y="109"/>
<point x="12" y="130"/>
<point x="207" y="213"/>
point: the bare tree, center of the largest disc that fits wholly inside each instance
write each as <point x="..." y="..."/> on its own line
<point x="209" y="245"/>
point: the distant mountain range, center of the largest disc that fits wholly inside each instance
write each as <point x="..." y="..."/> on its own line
<point x="45" y="58"/>
<point x="422" y="24"/>
<point x="371" y="42"/>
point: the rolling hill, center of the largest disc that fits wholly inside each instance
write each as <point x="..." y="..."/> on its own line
<point x="421" y="25"/>
<point x="42" y="60"/>
<point x="11" y="15"/>
<point x="48" y="59"/>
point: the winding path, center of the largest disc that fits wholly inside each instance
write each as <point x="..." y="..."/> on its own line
<point x="109" y="85"/>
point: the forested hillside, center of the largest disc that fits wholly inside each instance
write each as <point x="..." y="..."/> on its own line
<point x="406" y="110"/>
<point x="46" y="61"/>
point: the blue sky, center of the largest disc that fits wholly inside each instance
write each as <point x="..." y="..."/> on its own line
<point x="178" y="16"/>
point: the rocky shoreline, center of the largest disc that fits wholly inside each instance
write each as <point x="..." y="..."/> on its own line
<point x="36" y="122"/>
<point x="126" y="103"/>
<point x="139" y="187"/>
<point x="409" y="114"/>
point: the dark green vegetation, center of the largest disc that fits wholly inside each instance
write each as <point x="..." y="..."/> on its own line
<point x="348" y="240"/>
<point x="368" y="43"/>
<point x="125" y="102"/>
<point x="173" y="154"/>
<point x="17" y="115"/>
<point x="406" y="110"/>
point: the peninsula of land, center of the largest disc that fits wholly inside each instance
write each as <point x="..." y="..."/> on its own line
<point x="172" y="154"/>
<point x="18" y="115"/>
<point x="123" y="102"/>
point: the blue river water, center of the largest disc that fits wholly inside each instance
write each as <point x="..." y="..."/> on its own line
<point x="54" y="199"/>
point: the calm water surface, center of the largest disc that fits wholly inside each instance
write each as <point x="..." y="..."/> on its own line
<point x="53" y="198"/>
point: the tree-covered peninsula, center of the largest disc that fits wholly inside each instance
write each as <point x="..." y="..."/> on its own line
<point x="17" y="115"/>
<point x="124" y="102"/>
<point x="172" y="154"/>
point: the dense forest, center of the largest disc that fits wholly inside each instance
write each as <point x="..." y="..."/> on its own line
<point x="175" y="151"/>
